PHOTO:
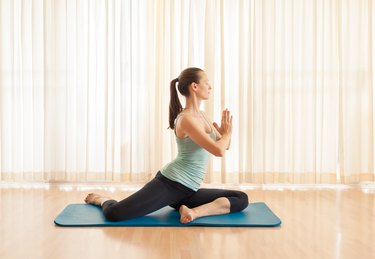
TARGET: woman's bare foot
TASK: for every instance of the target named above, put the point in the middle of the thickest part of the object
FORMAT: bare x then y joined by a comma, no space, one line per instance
187,215
95,199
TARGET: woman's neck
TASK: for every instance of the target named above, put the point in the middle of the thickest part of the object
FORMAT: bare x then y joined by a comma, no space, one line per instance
192,106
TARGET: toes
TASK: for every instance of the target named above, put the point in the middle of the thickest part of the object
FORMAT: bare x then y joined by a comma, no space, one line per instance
89,198
186,220
189,219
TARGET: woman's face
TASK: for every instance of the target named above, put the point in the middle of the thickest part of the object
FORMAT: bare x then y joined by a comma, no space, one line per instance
203,87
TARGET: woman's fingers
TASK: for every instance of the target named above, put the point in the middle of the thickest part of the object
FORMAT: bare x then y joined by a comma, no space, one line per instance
226,122
217,127
225,115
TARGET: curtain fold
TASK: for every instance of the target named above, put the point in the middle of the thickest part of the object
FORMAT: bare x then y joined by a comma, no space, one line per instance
84,87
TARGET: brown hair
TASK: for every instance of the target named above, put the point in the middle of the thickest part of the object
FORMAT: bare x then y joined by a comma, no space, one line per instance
185,79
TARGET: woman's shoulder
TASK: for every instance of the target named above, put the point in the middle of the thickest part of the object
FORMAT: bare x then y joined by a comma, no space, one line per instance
183,123
185,117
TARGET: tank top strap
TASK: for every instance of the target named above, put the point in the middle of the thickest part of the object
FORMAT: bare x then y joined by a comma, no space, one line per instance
213,133
175,121
204,116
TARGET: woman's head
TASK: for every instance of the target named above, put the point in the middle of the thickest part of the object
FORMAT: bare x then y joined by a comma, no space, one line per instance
185,80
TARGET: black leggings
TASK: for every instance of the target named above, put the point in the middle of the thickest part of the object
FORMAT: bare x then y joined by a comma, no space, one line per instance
161,192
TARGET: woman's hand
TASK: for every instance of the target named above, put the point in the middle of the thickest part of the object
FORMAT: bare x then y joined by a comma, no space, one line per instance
226,123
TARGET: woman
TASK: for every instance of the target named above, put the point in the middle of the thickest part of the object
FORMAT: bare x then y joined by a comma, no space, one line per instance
177,184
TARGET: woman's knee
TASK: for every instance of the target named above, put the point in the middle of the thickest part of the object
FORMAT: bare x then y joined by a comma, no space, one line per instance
240,202
244,200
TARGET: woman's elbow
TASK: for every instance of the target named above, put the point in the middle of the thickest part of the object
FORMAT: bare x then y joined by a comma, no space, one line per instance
218,152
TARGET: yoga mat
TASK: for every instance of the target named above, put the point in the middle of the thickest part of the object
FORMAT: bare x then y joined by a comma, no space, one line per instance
85,215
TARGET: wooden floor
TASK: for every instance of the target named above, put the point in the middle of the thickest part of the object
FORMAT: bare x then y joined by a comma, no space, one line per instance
317,223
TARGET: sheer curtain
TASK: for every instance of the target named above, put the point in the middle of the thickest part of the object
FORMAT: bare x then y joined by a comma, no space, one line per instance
84,87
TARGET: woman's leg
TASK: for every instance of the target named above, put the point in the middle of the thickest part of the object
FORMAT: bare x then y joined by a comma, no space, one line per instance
207,202
156,194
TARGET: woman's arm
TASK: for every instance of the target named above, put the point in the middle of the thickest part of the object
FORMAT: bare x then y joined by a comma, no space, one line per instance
198,135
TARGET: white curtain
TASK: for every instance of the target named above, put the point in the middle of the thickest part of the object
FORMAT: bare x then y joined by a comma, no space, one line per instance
84,87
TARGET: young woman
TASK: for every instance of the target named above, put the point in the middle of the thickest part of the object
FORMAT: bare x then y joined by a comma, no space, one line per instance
178,183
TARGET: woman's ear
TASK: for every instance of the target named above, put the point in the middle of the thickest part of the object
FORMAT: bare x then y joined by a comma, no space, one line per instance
194,86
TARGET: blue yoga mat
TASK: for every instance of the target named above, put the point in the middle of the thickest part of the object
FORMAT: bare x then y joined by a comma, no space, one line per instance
84,215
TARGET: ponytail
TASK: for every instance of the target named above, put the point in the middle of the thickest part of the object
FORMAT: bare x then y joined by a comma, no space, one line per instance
185,79
175,106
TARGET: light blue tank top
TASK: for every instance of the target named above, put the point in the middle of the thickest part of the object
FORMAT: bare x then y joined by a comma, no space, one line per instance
189,167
